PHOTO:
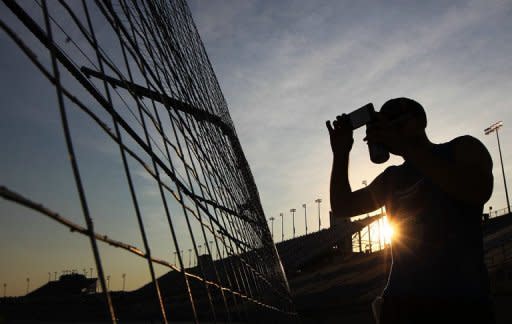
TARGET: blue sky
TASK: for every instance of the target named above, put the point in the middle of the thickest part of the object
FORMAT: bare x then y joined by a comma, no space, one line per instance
285,67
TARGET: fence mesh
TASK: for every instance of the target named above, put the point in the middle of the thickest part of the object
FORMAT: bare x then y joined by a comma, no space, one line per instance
139,73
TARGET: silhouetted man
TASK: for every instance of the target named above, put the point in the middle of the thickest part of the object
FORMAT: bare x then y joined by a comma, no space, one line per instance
435,201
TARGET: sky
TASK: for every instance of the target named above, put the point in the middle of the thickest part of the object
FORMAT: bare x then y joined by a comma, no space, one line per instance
285,67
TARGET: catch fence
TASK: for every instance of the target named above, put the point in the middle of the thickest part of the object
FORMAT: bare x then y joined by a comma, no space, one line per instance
139,72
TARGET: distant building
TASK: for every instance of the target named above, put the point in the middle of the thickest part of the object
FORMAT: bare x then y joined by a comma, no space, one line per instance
68,285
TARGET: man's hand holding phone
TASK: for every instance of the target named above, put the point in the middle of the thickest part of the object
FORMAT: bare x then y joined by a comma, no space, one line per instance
340,134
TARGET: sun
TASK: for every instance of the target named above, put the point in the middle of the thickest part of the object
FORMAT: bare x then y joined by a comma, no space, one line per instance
388,230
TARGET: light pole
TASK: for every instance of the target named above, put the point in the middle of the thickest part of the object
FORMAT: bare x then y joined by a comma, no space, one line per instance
49,276
271,219
28,285
494,128
108,282
293,210
175,255
124,280
55,275
282,226
305,218
379,233
5,290
189,257
318,201
369,227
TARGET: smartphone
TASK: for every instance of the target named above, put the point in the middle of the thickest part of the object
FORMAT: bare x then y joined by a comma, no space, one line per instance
361,116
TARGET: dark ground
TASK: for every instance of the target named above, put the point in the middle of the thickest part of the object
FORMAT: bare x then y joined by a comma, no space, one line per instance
341,289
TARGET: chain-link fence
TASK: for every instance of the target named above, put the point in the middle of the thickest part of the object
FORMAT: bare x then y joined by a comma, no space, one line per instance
138,73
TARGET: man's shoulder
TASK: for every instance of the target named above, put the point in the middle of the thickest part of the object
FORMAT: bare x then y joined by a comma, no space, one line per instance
466,140
467,147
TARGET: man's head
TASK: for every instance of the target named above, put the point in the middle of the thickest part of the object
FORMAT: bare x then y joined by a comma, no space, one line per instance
407,113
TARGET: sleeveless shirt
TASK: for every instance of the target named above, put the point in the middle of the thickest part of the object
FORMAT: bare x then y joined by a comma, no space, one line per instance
437,251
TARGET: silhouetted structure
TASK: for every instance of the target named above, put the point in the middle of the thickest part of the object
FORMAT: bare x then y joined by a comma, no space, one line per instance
68,285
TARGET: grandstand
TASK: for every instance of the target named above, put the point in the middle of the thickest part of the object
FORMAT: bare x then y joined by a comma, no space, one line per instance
498,253
307,250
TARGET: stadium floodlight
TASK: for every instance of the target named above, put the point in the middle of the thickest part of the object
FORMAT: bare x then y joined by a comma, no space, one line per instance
271,219
494,128
293,210
318,201
305,218
282,226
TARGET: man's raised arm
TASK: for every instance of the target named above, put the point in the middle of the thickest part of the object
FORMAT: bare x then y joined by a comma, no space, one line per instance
345,202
